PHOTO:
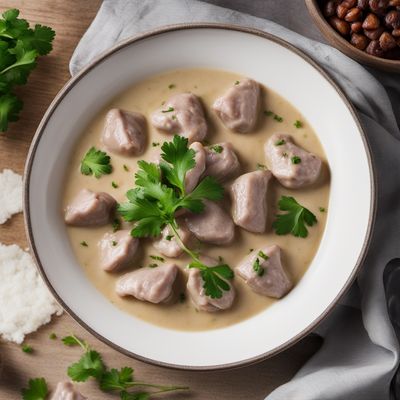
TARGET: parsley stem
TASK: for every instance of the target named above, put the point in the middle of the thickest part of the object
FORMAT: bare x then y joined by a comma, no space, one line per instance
172,226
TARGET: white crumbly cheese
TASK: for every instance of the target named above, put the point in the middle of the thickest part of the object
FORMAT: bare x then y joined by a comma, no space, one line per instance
25,302
10,194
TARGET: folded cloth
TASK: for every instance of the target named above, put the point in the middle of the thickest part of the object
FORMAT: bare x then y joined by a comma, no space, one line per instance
360,354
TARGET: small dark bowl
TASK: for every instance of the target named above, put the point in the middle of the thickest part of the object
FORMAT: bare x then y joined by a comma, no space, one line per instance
336,40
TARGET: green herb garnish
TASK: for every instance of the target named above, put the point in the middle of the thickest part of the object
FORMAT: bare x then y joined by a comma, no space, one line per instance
171,86
52,336
96,162
261,166
269,113
20,46
37,390
296,160
322,209
298,124
116,225
295,221
158,258
84,243
237,82
153,265
262,255
126,168
155,144
257,268
160,192
114,185
169,237
280,142
27,349
276,117
114,243
91,365
169,109
216,148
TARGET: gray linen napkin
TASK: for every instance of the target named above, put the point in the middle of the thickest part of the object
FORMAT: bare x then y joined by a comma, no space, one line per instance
360,354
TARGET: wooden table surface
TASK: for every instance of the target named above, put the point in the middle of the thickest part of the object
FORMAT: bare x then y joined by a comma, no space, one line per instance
50,358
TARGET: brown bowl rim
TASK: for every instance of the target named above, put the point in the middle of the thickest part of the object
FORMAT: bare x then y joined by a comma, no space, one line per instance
344,45
75,80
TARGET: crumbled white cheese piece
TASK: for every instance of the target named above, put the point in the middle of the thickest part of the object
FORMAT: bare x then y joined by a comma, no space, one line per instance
10,194
25,302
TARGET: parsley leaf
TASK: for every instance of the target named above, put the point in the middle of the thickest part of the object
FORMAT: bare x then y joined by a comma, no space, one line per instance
295,221
257,268
180,159
37,390
89,365
10,106
20,47
214,278
116,379
135,396
96,162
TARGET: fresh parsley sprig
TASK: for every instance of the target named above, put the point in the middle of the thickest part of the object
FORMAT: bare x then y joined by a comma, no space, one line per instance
96,162
160,192
37,390
20,46
91,365
295,221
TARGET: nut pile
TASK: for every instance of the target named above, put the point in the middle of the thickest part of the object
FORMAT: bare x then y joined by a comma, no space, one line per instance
369,25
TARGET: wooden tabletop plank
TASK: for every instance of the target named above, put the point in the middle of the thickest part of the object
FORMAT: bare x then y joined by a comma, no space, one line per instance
51,358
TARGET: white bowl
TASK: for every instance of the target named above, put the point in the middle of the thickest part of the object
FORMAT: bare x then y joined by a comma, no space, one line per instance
277,65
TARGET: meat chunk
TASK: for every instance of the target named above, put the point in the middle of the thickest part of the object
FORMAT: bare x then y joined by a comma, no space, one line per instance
221,162
90,209
118,250
213,225
66,391
293,166
197,294
124,132
249,200
238,107
193,175
182,114
271,279
167,245
149,284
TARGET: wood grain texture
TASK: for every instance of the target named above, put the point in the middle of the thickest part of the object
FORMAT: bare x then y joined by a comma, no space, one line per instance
50,359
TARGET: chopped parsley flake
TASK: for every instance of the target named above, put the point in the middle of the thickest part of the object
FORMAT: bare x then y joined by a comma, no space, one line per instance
158,258
280,142
296,160
27,349
322,209
84,244
171,86
169,109
298,124
250,250
284,154
261,166
269,113
174,117
126,168
169,237
114,185
216,148
155,144
237,82
52,336
116,225
278,118
154,265
258,269
262,255
114,243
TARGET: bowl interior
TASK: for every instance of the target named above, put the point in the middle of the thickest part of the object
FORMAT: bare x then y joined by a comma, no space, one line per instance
275,65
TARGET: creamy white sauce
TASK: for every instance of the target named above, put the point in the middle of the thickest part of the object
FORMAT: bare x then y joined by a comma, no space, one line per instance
145,97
